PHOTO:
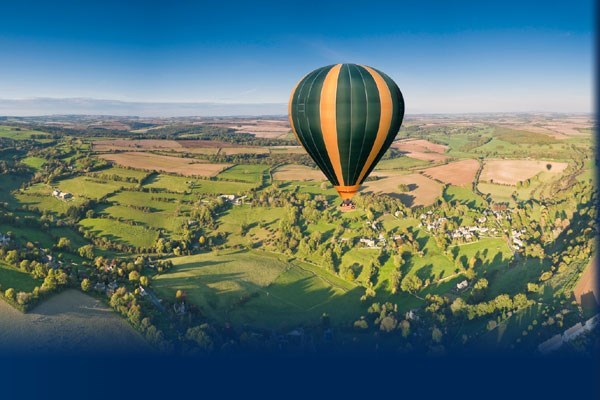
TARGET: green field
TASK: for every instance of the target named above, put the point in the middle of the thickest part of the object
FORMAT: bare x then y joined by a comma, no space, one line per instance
157,202
83,186
259,289
157,220
25,234
122,172
133,235
247,173
262,222
16,133
13,278
403,162
196,186
463,196
499,193
34,162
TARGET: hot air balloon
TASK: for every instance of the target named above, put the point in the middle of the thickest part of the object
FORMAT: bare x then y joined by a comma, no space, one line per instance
346,116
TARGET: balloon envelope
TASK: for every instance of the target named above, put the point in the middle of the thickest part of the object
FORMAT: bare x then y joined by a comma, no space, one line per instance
346,116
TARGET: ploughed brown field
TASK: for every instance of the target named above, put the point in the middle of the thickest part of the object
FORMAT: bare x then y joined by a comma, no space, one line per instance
509,172
423,191
261,128
154,162
294,172
69,322
422,149
459,173
587,292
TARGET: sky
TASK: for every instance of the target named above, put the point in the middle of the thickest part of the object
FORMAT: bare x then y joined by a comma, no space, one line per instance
446,56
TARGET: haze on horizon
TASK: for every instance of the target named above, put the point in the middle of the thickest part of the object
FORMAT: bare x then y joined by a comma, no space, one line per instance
244,58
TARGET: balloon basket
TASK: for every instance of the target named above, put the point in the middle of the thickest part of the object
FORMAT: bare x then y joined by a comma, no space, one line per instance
347,206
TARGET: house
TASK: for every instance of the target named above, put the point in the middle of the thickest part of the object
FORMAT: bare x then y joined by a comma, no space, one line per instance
65,196
551,344
192,223
462,285
55,192
100,287
239,201
228,197
591,323
368,242
411,315
573,332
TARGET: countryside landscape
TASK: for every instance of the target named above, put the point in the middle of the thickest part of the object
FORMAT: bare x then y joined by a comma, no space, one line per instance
208,235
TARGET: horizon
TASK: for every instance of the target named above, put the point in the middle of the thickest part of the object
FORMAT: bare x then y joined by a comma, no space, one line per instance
227,109
462,58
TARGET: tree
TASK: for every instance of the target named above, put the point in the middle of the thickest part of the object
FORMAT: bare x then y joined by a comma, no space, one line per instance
395,280
145,281
86,285
457,306
179,295
405,327
199,335
63,243
134,276
86,251
23,298
10,293
436,335
411,284
89,214
548,166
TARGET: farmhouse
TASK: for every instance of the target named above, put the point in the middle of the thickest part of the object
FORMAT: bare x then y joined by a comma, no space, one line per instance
61,195
551,344
368,242
462,285
556,341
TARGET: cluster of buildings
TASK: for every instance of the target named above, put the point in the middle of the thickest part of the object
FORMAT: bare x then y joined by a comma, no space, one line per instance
236,200
517,242
61,195
556,341
466,233
109,289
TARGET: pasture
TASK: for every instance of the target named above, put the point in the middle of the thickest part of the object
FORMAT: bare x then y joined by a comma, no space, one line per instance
256,288
194,187
34,162
83,186
16,133
11,277
251,173
133,235
463,195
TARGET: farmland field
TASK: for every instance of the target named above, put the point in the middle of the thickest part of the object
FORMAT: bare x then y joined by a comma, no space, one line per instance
509,172
68,323
425,190
459,173
180,165
292,172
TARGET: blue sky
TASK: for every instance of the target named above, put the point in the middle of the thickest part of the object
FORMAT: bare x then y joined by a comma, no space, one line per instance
446,56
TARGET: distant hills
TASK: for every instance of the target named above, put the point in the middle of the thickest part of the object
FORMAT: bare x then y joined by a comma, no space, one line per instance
52,106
